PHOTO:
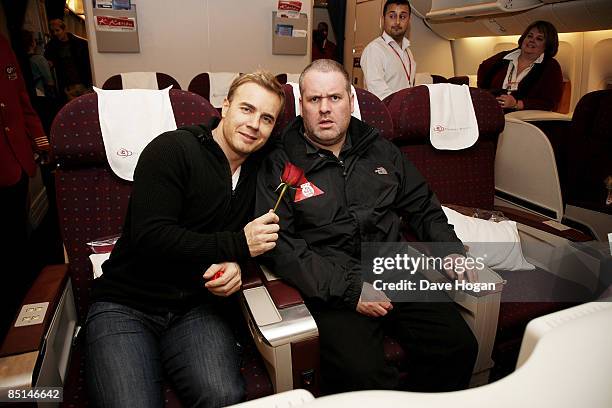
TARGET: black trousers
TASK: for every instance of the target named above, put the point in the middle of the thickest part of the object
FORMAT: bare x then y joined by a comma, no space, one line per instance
441,348
13,240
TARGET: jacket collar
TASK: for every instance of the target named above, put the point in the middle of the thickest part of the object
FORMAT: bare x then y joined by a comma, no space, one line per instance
306,156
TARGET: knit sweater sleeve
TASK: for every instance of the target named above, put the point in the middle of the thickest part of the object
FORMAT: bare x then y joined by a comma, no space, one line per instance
161,180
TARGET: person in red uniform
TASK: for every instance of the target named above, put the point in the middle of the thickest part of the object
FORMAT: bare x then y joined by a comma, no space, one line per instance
21,134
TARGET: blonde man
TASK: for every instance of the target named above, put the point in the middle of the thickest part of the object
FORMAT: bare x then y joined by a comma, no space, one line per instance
158,309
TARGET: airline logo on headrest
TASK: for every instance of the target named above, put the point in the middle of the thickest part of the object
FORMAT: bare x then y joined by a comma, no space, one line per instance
124,152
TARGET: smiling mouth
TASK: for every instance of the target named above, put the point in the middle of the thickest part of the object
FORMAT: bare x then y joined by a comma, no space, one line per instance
248,137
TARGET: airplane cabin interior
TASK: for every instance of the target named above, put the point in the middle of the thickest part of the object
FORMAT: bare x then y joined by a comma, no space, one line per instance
543,324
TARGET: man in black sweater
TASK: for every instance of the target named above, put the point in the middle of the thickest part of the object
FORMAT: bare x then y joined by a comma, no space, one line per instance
157,310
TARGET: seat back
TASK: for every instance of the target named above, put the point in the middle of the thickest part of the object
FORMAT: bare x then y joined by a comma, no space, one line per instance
213,86
588,153
526,172
282,78
163,81
200,84
464,177
92,201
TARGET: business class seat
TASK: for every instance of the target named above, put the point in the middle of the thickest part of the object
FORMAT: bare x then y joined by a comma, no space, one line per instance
576,141
163,81
468,178
92,202
587,157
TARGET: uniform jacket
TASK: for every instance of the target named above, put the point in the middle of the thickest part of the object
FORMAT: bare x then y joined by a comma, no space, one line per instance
19,124
365,192
540,89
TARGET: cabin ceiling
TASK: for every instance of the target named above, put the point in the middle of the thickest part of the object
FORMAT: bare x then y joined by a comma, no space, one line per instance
482,18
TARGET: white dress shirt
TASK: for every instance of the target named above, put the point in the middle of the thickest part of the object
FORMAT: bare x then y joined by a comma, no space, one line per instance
387,68
512,80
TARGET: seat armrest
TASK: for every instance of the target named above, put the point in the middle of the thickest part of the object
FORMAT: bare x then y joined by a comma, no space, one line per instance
539,116
538,221
39,354
282,294
251,275
48,287
283,337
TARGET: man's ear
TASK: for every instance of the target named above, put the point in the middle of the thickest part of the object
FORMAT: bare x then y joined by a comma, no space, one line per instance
224,107
352,102
301,107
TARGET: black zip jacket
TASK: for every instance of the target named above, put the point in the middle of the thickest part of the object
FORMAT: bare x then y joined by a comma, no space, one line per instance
366,191
182,217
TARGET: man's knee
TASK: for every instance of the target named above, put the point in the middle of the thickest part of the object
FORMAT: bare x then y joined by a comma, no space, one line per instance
358,372
210,393
230,393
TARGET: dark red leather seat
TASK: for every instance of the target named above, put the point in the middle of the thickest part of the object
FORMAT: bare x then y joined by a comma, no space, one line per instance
588,150
466,177
200,85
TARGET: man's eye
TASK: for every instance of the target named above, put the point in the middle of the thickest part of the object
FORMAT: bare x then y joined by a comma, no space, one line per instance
267,120
314,99
335,98
245,109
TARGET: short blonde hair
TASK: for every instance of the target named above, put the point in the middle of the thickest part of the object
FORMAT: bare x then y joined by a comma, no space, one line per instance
262,78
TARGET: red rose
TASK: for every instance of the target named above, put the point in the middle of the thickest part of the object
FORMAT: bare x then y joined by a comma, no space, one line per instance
292,175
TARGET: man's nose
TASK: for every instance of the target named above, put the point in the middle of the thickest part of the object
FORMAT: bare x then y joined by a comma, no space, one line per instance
324,105
253,122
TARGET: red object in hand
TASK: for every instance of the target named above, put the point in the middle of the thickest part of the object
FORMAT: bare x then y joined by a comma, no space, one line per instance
292,175
218,274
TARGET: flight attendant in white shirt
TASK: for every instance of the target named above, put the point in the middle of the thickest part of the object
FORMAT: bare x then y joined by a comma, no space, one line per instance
387,63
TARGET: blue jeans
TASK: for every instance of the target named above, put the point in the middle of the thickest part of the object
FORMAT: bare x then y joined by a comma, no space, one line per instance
129,353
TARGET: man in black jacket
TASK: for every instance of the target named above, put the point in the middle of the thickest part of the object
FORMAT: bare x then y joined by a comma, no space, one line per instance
69,56
158,308
356,187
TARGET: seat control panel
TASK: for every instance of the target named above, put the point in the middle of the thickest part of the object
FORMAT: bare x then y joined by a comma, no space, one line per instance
31,314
